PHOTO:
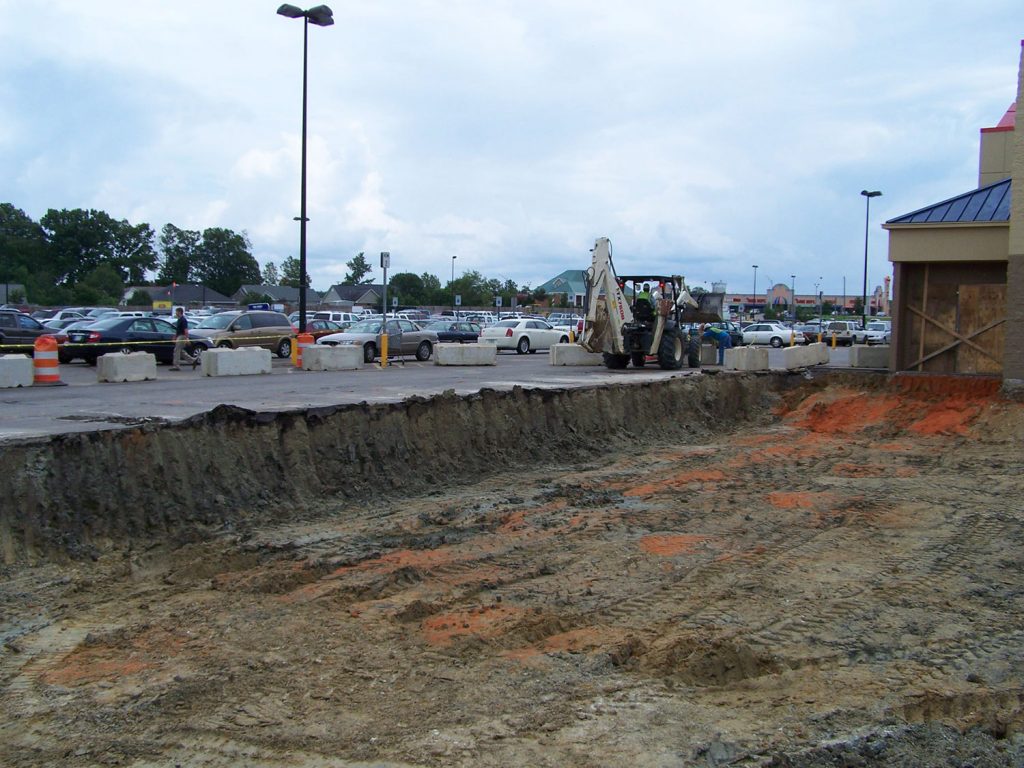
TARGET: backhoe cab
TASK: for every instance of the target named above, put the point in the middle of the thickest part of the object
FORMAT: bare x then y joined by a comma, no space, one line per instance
628,324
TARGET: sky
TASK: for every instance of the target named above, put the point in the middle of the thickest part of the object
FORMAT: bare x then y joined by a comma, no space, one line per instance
700,138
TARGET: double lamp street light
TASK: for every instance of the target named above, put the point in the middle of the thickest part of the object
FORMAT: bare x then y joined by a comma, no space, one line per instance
321,16
864,293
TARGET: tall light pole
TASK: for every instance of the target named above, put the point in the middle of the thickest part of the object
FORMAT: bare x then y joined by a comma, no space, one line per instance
322,16
453,286
864,293
793,278
755,292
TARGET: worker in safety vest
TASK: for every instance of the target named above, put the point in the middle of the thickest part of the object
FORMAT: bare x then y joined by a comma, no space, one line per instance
720,337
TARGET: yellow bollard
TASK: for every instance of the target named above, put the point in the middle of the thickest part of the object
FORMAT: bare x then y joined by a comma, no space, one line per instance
383,350
833,339
792,337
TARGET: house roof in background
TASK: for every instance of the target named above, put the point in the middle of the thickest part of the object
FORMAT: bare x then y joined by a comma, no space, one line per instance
989,204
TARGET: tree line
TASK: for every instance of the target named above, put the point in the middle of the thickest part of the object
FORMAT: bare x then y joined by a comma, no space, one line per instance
85,256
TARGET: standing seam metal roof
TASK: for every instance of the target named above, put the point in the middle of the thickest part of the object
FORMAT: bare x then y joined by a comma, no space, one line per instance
991,203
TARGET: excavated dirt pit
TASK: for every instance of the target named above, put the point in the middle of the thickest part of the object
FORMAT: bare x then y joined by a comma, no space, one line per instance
719,571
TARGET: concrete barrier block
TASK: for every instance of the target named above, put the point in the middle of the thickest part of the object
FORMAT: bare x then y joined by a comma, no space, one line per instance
746,359
322,357
235,362
798,357
116,367
574,354
15,371
863,356
819,353
709,354
465,354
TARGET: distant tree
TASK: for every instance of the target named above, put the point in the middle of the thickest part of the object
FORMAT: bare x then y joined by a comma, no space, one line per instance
140,298
179,251
408,287
539,294
270,276
104,284
254,297
225,261
80,240
858,306
433,293
22,244
16,296
358,268
291,274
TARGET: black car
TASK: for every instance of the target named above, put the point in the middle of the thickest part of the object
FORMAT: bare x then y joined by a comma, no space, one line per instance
18,331
457,331
124,334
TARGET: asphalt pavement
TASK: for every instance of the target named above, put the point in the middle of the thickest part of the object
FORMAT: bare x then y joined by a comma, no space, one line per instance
86,405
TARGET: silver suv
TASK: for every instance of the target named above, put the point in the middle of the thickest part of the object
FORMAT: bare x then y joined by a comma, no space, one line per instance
247,328
843,330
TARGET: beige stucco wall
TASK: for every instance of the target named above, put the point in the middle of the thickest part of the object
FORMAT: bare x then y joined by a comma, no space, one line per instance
1013,355
996,161
956,242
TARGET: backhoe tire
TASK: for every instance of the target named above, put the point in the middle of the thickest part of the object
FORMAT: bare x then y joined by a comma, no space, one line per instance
638,359
615,362
670,351
693,352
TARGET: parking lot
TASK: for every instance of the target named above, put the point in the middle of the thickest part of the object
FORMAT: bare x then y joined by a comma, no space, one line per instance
85,405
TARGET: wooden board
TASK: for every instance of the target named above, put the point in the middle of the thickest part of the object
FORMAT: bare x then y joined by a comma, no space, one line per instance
980,306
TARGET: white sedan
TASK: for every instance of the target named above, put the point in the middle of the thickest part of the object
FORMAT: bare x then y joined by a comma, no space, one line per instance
775,334
523,335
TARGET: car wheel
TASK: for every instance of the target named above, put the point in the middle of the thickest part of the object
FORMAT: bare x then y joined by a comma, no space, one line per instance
776,342
523,346
369,353
564,340
423,351
693,352
284,348
126,350
224,345
90,361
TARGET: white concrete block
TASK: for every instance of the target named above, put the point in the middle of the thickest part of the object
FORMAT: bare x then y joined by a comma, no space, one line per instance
118,367
235,362
819,353
709,354
466,354
574,354
323,357
863,356
16,371
746,359
798,357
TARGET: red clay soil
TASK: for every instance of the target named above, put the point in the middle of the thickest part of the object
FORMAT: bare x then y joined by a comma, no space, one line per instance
840,583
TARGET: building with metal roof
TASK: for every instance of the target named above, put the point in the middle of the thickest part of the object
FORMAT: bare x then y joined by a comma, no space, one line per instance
958,269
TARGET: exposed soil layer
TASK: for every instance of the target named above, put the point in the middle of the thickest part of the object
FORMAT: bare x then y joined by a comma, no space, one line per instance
712,571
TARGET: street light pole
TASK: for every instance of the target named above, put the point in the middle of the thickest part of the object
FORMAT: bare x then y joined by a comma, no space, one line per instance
793,278
322,16
454,314
864,292
755,292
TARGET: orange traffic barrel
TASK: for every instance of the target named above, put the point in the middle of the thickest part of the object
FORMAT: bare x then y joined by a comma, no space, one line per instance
303,340
46,366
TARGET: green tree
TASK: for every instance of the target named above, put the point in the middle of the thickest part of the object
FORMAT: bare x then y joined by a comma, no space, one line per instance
270,276
252,297
179,249
80,240
225,261
290,273
22,244
140,298
433,292
358,268
104,285
408,287
858,306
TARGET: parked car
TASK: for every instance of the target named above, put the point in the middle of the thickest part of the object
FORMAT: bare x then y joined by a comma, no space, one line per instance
843,330
245,328
453,331
66,352
338,317
404,338
318,327
876,332
524,335
124,334
18,329
775,334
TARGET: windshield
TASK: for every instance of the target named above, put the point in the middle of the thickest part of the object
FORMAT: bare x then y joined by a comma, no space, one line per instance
876,326
365,326
217,322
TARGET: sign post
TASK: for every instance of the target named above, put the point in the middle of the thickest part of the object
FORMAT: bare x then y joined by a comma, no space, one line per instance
385,262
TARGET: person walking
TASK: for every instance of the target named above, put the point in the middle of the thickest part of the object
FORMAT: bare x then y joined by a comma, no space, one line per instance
721,338
180,340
